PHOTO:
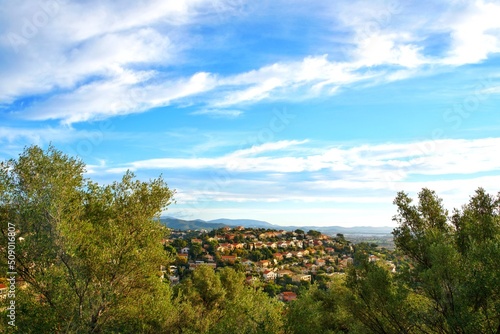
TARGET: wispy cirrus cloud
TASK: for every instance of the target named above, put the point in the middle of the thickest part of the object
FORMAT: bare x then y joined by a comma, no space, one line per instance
368,179
124,94
219,113
367,176
83,48
240,160
41,136
128,59
374,161
14,139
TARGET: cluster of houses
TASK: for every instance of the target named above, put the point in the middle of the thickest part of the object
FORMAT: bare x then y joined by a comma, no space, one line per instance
265,255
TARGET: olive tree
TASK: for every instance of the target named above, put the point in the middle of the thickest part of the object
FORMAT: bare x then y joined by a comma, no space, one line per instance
88,254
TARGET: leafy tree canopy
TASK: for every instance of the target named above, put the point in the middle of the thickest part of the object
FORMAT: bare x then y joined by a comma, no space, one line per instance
89,254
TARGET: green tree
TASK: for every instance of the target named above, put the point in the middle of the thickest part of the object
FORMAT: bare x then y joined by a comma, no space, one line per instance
377,300
171,251
256,255
89,254
320,311
272,289
449,282
179,243
478,242
251,312
314,233
212,246
196,250
211,302
199,299
454,265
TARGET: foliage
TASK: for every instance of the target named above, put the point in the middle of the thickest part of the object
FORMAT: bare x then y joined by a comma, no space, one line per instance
320,311
450,285
89,254
314,233
455,265
213,302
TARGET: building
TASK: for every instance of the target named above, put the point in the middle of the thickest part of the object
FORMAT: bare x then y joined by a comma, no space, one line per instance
263,263
3,291
208,257
287,296
320,262
301,278
269,275
285,272
278,256
251,280
228,258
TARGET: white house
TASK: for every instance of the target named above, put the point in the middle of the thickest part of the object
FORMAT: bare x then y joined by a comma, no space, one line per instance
269,275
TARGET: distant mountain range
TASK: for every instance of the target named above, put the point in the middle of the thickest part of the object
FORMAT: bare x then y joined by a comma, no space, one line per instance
199,224
243,222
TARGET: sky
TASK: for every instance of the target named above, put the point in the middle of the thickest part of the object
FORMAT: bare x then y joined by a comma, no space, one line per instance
292,112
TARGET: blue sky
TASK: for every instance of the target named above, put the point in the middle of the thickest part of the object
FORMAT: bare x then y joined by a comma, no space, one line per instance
292,112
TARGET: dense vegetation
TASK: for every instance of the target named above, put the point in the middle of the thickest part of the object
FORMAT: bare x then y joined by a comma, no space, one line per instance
88,257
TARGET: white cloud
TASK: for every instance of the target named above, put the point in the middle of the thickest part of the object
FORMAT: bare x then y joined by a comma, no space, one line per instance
381,163
298,176
119,96
41,136
314,74
395,32
367,176
86,47
491,90
219,113
267,147
80,41
475,34
387,49
240,160
343,202
100,59
78,142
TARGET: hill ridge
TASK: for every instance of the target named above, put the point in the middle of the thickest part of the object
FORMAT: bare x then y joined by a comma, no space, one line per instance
197,224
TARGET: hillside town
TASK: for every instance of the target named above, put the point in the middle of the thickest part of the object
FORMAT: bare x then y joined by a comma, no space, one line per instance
281,262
